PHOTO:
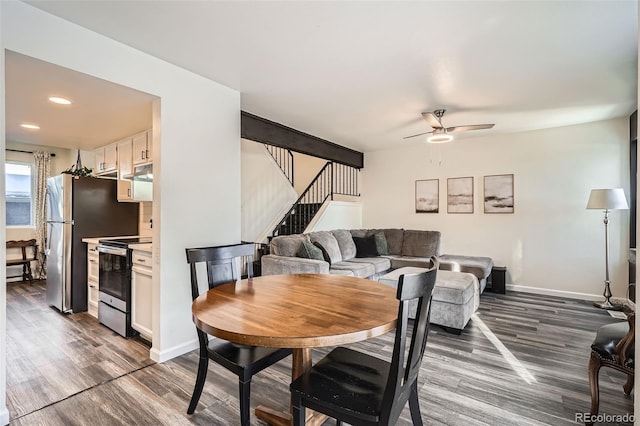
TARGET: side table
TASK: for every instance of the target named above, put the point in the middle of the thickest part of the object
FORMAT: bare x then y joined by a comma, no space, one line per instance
497,279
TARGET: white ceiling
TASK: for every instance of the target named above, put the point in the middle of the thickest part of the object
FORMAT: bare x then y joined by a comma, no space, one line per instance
100,111
360,73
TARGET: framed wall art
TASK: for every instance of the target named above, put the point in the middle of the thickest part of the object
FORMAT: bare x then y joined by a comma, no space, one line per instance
498,194
460,195
427,196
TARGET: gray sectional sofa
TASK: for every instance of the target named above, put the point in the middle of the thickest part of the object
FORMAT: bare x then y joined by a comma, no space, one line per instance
350,252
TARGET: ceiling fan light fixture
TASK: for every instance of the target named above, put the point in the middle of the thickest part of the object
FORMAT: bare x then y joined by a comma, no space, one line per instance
439,138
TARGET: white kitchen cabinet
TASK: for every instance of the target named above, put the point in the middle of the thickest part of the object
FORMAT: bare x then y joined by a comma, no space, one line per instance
142,148
141,293
135,190
106,159
92,279
125,158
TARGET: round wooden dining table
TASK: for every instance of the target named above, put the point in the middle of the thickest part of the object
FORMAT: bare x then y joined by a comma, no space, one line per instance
298,311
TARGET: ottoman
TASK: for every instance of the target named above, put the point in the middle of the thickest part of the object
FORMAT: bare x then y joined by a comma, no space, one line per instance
455,298
478,266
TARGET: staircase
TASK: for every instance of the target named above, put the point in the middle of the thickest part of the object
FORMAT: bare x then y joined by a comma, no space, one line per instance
333,179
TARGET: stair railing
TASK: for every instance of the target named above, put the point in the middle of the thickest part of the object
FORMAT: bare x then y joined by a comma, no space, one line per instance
284,159
331,180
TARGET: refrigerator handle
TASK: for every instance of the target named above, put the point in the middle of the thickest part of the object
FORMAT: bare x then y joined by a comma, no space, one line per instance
47,249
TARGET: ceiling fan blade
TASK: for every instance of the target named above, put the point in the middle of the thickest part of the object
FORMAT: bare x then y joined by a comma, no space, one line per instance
469,127
419,134
432,120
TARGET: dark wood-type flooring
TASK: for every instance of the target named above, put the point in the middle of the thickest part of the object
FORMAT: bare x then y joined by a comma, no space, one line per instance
70,370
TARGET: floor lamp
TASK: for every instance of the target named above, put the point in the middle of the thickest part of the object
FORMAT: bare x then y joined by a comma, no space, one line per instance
607,199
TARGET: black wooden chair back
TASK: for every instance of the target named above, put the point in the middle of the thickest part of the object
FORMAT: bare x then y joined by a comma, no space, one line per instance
224,264
405,367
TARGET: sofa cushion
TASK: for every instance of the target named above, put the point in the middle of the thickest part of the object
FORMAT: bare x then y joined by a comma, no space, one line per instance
359,269
365,246
395,238
362,232
326,241
382,264
381,243
287,245
407,261
345,243
310,251
421,243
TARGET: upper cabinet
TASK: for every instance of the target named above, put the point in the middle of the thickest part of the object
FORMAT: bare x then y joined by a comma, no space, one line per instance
129,160
107,159
142,148
125,158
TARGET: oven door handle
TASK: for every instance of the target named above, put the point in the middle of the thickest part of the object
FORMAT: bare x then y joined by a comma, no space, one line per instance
112,250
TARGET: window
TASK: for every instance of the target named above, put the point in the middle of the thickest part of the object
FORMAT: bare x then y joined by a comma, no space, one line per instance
19,192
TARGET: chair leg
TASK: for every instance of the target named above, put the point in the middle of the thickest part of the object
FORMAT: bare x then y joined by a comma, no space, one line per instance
594,369
203,365
414,406
245,401
629,385
298,411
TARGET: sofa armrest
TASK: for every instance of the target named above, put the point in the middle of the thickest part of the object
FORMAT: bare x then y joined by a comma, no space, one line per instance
273,264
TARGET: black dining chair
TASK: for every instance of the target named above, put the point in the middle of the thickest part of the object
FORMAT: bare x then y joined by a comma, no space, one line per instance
361,389
222,265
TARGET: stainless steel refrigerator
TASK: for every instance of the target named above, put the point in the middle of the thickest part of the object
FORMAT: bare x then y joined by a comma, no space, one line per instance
77,208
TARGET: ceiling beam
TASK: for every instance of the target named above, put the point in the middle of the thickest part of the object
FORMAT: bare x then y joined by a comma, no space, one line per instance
261,130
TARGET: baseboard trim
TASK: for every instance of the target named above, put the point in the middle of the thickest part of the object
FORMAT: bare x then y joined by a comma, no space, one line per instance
552,292
166,355
4,416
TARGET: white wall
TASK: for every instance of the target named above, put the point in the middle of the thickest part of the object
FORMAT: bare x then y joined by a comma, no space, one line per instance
306,168
552,242
266,192
196,158
337,215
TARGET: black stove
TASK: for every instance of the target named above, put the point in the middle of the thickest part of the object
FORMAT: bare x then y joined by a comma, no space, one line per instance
124,242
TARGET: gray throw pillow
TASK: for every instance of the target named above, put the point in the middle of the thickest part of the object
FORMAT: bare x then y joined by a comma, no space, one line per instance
323,251
381,243
309,251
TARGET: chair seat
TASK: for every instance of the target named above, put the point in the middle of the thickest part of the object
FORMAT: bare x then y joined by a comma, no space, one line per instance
607,337
244,360
346,381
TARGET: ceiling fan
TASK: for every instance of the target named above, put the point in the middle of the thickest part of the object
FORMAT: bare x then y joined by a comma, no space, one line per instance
441,134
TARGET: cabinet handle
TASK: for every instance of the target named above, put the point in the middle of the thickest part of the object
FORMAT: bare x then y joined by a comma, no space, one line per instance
140,260
92,286
129,192
92,249
92,260
142,155
146,155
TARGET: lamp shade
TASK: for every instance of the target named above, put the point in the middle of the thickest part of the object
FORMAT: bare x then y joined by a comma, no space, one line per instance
607,199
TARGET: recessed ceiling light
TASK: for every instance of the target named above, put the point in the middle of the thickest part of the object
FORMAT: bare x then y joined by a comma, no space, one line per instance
61,101
30,126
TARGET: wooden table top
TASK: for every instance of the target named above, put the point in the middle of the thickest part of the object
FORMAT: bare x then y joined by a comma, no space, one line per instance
297,310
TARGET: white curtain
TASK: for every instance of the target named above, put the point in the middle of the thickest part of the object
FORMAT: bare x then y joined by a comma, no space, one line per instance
43,167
